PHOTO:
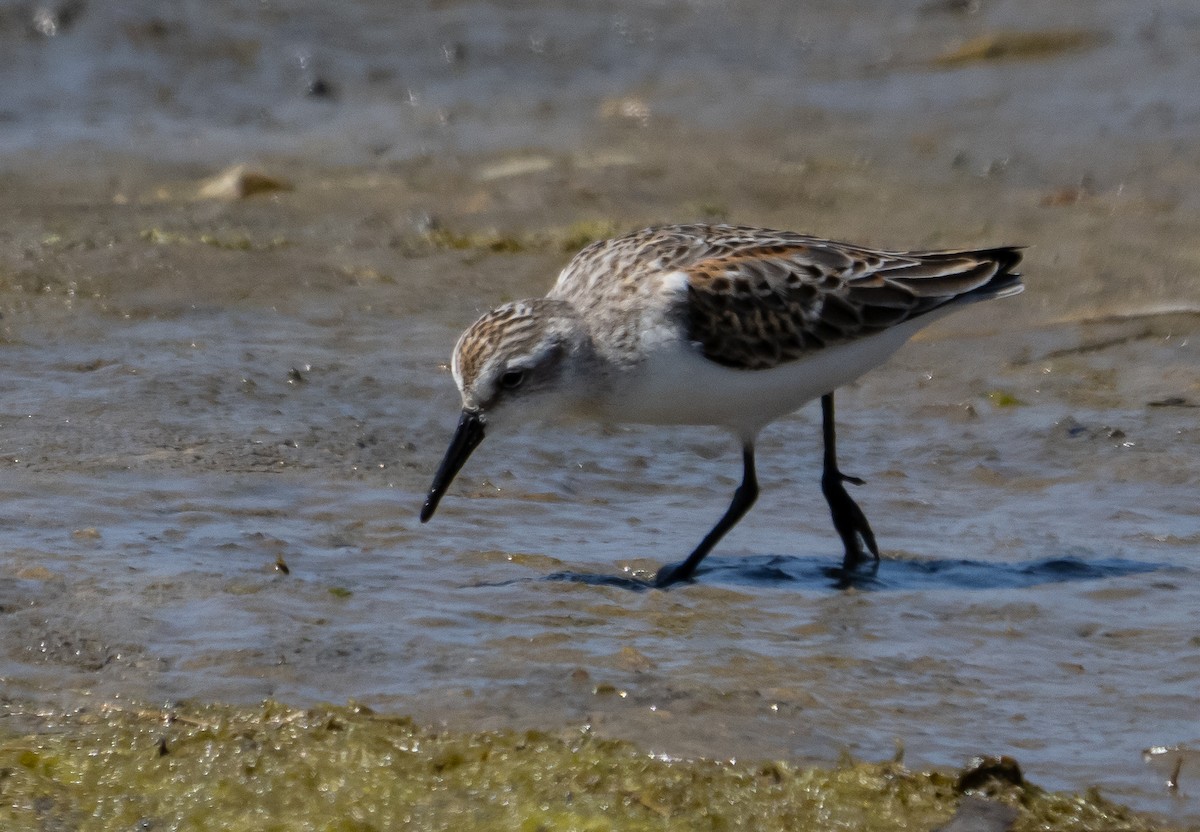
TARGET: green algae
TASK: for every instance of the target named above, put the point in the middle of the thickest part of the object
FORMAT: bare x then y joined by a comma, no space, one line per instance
227,241
329,768
1002,398
995,46
443,238
583,233
567,240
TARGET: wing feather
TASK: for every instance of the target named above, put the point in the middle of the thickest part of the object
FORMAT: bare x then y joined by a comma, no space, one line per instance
755,304
755,298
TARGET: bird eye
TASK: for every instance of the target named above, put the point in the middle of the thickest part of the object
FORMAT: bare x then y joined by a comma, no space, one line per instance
512,379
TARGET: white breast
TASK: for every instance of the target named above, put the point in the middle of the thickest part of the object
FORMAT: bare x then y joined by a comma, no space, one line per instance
676,385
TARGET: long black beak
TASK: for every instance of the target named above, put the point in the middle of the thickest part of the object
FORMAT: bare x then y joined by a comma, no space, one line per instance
468,434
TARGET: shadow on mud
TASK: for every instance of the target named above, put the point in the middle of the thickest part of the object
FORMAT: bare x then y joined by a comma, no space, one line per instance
935,574
817,573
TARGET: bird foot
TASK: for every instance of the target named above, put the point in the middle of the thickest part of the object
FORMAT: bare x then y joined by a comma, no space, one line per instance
848,519
672,573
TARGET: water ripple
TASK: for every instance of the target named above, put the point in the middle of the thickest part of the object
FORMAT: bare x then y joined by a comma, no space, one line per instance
905,575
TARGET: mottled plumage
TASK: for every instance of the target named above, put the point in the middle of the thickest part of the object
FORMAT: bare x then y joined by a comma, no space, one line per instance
756,298
721,325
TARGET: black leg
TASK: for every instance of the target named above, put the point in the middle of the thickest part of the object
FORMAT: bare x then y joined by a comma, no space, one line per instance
743,498
848,518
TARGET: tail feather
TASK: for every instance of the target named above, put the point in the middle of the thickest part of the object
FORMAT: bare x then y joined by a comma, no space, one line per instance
1004,283
921,282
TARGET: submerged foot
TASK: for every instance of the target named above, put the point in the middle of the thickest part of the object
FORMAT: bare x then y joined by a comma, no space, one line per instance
673,573
849,521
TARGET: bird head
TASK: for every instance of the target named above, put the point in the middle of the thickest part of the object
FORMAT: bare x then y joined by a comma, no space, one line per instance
514,364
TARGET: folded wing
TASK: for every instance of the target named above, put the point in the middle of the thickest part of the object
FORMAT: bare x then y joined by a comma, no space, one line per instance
756,303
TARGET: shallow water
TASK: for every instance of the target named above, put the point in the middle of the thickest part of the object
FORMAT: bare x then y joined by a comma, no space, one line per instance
1036,597
194,391
204,80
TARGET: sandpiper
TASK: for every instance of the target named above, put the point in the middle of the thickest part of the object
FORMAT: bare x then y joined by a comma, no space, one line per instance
710,325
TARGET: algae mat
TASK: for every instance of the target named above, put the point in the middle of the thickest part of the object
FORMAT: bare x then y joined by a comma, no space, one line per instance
274,767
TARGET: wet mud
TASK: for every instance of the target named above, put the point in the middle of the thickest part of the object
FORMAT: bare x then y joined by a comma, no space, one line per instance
221,402
182,416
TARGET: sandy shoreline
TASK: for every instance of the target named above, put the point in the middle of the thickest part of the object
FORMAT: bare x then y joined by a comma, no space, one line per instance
196,387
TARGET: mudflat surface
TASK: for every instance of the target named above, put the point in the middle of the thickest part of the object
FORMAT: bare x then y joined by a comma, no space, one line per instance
193,390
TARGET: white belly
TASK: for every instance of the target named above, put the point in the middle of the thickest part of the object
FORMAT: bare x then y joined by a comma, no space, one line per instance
678,386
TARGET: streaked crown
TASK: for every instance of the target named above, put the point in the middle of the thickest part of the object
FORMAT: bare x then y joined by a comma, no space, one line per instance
520,345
